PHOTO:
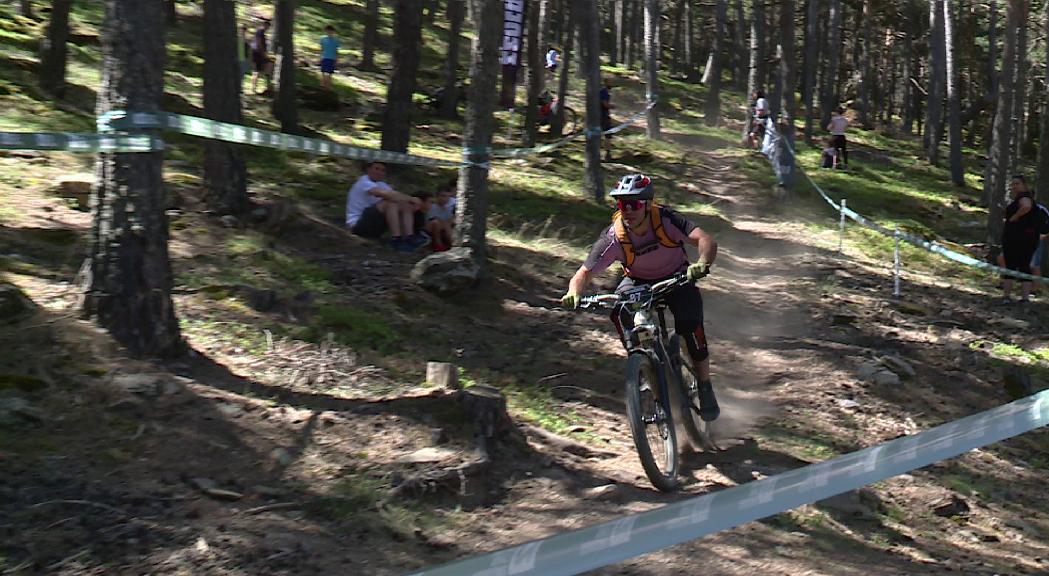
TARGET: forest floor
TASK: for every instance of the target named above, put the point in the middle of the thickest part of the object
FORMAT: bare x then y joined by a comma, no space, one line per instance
276,445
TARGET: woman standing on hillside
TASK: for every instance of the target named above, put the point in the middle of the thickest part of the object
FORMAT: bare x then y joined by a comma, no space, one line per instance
1019,237
838,124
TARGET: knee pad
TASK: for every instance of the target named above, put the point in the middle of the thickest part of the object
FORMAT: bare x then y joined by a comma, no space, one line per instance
696,342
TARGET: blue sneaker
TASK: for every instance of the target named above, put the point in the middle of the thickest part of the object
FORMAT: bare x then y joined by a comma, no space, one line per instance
401,245
417,240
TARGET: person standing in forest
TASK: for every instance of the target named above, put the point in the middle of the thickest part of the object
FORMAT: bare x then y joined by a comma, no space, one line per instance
1019,236
837,126
606,116
260,56
329,55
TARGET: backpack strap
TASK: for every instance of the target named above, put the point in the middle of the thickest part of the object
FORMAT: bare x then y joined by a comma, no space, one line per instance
656,219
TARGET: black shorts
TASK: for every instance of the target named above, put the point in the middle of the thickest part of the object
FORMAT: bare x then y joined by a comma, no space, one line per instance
1018,249
260,60
372,223
839,142
606,123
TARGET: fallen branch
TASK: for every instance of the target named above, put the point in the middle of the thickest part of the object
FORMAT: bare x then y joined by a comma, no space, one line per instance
272,507
565,444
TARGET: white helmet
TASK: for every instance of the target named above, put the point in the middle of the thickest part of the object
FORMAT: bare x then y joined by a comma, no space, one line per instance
633,186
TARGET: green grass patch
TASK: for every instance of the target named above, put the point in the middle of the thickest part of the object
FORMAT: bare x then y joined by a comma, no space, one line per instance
355,327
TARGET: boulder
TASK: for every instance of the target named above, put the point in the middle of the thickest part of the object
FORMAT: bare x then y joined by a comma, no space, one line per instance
76,187
447,272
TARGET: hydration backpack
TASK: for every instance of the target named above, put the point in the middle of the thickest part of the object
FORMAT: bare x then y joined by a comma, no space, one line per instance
1041,220
657,227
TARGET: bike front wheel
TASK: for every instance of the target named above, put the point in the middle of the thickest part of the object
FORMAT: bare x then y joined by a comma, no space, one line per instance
651,423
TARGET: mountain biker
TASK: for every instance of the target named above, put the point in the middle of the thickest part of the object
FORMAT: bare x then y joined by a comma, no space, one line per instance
648,239
759,113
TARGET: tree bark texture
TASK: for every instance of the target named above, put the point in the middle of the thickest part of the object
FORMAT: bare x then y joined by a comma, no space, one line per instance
652,66
225,174
172,12
756,72
1042,180
620,39
712,112
585,14
954,103
788,104
450,103
54,56
691,71
127,276
907,88
866,74
472,214
557,123
675,42
613,20
999,151
829,98
371,36
739,47
937,75
811,63
25,8
397,119
536,49
1019,91
285,104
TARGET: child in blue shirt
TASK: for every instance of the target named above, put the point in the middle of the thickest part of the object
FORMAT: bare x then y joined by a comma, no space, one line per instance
329,54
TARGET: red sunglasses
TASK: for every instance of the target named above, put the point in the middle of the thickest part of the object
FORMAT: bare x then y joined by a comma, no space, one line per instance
631,204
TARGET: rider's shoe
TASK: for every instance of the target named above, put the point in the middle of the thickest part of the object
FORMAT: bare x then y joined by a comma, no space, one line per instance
708,403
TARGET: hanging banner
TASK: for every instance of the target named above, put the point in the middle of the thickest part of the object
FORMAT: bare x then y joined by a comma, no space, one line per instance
510,54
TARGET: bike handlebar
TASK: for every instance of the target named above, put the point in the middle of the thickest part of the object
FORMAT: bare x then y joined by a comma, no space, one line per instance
656,290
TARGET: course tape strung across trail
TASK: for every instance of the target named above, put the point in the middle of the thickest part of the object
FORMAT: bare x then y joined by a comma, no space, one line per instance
79,142
122,121
629,536
918,241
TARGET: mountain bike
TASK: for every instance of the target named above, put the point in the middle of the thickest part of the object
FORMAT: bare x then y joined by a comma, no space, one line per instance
570,122
661,386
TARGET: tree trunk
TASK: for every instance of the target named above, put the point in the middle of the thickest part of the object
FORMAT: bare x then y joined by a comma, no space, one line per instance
712,112
53,59
999,151
1042,181
225,175
866,79
613,45
371,36
620,39
907,75
450,103
954,105
285,105
127,275
788,105
691,71
739,42
397,119
26,8
829,98
756,72
934,106
486,16
675,47
1019,91
585,15
636,33
808,86
652,65
536,49
557,123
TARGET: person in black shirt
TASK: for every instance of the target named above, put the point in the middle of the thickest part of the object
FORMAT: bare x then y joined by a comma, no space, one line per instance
1019,236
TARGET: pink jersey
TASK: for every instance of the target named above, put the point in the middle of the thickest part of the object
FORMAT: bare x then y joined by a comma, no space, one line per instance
652,260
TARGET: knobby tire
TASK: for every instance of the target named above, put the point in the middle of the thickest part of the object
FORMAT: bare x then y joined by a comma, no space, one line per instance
640,370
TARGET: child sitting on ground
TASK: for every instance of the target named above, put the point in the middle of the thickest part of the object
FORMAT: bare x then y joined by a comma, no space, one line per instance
829,158
441,218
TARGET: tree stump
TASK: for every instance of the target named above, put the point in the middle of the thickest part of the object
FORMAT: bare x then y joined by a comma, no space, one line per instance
442,375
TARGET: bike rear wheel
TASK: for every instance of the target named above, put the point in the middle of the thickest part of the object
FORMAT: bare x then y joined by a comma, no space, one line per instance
651,423
571,122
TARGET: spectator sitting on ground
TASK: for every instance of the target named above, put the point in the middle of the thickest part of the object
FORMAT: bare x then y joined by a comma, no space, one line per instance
829,157
1019,236
421,213
441,218
373,207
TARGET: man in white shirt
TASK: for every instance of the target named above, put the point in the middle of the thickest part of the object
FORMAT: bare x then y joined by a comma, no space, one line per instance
373,207
837,126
